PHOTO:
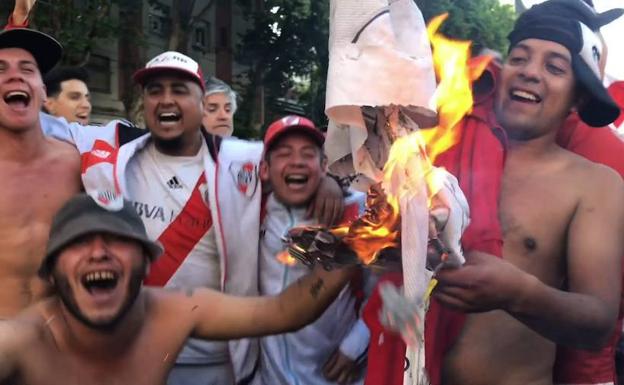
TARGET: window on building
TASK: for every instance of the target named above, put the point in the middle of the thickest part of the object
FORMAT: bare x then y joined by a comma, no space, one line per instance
158,20
99,68
201,37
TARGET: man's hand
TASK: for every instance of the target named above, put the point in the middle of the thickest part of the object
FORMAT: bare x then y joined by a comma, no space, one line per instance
484,283
340,368
22,10
328,203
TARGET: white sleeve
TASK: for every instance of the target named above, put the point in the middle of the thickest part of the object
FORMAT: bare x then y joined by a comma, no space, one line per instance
356,341
80,136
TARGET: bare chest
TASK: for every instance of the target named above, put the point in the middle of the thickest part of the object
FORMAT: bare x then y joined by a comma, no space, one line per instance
535,212
148,365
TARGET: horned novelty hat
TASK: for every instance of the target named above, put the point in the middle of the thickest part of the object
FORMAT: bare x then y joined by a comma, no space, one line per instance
585,48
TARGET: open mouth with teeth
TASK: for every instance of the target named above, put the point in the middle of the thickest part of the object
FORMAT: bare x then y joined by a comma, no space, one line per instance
524,96
100,281
169,117
17,99
296,180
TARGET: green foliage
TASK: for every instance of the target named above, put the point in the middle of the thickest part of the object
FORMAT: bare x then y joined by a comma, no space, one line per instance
288,43
286,48
485,22
77,24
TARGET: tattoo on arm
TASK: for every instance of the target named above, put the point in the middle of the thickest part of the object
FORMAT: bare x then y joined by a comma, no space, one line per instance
316,287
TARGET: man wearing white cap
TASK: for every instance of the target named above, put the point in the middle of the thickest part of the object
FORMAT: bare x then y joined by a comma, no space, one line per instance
170,175
197,194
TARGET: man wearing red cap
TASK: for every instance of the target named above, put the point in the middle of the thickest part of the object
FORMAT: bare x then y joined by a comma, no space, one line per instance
326,351
198,195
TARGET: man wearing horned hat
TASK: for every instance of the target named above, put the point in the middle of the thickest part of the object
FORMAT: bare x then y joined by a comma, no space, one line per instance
559,279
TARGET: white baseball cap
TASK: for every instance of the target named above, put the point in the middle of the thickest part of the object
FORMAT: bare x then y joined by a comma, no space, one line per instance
170,61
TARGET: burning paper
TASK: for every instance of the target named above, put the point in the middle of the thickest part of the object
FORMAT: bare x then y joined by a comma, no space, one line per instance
381,91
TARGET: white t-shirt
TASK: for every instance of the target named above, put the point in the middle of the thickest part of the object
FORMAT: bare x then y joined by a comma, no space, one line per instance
160,186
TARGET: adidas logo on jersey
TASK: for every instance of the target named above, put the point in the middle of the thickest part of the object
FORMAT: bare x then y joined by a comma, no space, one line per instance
174,183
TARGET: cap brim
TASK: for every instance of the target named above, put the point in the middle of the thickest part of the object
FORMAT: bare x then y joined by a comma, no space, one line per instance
313,133
600,109
142,75
44,48
110,224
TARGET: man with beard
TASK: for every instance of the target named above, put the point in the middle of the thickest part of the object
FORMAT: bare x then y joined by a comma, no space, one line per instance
197,194
102,326
40,173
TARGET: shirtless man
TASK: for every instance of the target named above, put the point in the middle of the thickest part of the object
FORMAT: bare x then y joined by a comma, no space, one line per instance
103,327
40,173
562,218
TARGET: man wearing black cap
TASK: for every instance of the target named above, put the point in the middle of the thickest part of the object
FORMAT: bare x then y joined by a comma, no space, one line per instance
561,218
102,326
39,173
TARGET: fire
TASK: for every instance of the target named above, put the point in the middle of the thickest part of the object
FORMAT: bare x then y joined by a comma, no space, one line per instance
411,157
285,258
376,230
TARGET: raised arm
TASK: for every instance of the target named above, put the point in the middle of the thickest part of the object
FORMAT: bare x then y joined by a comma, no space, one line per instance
221,316
21,13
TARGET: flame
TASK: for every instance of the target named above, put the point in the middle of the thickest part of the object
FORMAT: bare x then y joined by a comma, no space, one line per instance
411,157
286,258
376,230
456,72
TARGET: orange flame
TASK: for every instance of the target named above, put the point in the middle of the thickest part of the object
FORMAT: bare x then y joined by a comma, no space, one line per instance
286,258
411,157
456,72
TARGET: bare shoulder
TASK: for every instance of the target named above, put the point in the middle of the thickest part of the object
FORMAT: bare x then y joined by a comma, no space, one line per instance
19,332
595,177
63,151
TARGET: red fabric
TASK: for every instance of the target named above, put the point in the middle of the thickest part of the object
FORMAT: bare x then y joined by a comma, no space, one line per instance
386,350
616,89
180,238
479,149
11,24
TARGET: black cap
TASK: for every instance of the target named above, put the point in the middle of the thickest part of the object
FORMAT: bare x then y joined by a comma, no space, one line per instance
81,215
578,10
44,48
585,50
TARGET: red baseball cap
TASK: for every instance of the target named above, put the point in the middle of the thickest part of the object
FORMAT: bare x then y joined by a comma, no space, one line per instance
170,61
292,123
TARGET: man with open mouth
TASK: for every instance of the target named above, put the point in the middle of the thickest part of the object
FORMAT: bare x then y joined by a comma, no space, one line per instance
39,173
560,216
102,325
